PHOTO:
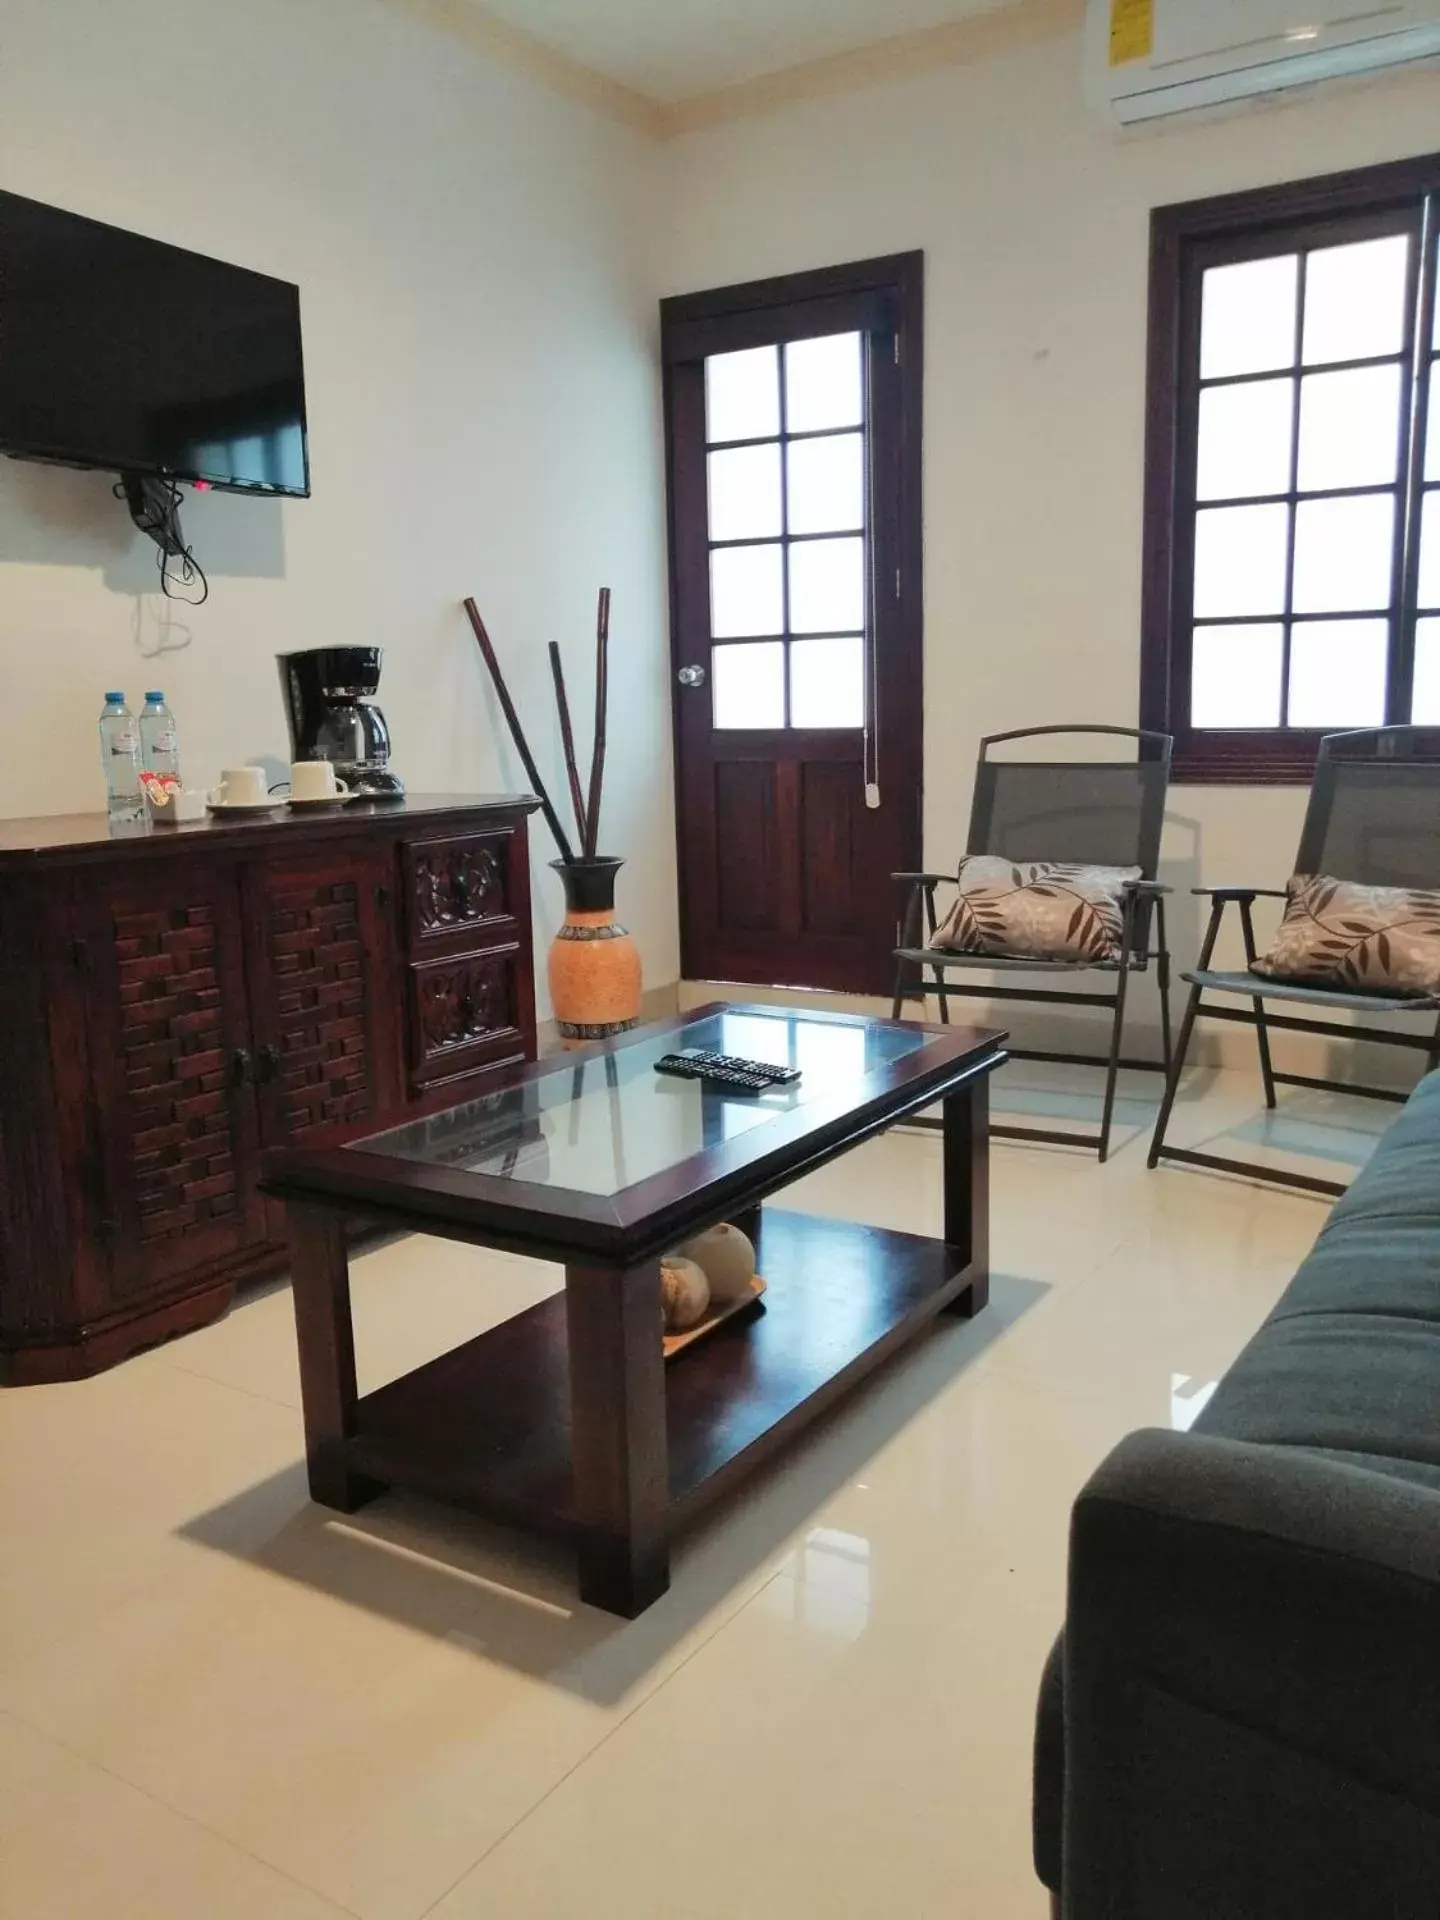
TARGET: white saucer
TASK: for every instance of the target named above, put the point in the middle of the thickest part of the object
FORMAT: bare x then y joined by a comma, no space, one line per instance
324,800
244,806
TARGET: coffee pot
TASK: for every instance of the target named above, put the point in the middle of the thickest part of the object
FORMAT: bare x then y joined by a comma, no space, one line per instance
332,716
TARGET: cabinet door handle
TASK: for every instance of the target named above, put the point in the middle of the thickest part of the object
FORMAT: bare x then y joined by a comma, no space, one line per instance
267,1065
239,1067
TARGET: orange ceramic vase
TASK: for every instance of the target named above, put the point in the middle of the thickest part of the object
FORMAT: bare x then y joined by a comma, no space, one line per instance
594,967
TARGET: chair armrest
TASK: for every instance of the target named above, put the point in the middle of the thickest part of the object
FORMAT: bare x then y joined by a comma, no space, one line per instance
931,879
1249,1627
1153,888
1241,893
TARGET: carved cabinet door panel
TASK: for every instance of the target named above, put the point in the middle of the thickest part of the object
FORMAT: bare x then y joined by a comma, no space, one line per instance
469,994
169,1048
466,1014
465,891
321,964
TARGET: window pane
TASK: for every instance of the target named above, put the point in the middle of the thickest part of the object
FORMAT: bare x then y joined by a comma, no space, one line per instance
744,489
826,484
1355,300
742,394
1247,317
1426,710
1349,428
1240,560
827,683
1429,595
1235,676
1343,554
827,586
1337,673
823,386
748,684
1432,431
746,591
1244,440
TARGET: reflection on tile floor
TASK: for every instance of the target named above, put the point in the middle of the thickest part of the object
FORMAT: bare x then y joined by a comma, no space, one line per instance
216,1699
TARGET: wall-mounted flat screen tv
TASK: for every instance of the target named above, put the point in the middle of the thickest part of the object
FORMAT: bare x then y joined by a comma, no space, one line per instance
125,354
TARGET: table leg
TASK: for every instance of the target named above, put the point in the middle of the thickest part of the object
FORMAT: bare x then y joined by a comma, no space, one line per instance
617,1410
747,1219
967,1187
320,1285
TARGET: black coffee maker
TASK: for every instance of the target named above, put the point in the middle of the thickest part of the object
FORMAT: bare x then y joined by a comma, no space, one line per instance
332,716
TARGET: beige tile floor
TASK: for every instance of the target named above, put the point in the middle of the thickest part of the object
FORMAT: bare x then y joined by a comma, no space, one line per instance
217,1700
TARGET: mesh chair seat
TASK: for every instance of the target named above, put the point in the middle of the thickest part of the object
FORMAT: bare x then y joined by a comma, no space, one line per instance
1254,985
1013,962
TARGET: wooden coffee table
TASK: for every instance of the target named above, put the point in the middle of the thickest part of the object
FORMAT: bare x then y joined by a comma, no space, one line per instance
567,1419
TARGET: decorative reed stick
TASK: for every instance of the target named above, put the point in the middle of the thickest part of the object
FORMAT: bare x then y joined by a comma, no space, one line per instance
517,734
567,740
602,695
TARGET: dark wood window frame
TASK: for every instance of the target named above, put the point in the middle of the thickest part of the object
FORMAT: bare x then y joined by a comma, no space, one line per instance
869,296
1184,239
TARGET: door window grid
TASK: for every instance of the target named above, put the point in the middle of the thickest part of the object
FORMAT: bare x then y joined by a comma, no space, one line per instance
787,433
1295,586
1426,696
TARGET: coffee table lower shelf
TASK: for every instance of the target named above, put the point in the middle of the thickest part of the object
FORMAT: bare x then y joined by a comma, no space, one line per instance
488,1426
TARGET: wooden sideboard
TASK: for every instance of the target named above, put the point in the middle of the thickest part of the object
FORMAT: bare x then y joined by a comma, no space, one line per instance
175,1001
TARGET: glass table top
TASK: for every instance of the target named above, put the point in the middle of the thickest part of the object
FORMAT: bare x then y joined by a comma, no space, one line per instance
602,1124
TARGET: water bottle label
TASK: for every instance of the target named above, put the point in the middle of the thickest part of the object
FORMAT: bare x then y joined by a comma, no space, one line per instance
164,741
124,745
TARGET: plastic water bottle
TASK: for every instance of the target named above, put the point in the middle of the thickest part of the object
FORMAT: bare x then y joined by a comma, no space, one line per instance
159,742
120,756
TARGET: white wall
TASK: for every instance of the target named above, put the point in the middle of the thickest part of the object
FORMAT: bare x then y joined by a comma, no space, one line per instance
1033,217
479,342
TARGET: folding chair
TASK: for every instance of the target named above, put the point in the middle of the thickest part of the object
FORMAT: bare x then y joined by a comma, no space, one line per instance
1095,812
1373,818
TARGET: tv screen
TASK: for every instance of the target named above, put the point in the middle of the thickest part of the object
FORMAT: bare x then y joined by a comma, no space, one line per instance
122,353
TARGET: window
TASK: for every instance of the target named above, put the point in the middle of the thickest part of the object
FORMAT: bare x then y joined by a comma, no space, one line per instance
1292,538
785,430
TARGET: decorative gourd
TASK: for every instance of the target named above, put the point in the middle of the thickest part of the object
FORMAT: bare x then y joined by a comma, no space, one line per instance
727,1259
684,1292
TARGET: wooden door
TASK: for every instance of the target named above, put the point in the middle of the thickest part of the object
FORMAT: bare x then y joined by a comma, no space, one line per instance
320,956
169,1049
793,427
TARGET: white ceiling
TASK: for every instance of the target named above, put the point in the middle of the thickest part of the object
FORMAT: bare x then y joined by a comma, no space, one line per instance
675,49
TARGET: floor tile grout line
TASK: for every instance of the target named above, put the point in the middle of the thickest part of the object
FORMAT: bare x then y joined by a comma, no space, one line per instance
230,1386
602,1742
179,1813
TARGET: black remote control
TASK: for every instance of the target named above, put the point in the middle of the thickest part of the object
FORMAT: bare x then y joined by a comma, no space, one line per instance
725,1070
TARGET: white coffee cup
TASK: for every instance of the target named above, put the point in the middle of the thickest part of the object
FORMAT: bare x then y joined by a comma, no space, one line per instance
241,787
315,780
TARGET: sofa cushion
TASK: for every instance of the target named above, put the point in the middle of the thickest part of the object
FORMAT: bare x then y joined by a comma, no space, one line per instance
1349,1382
1349,1360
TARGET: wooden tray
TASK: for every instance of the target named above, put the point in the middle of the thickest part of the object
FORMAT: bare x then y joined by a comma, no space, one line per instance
676,1343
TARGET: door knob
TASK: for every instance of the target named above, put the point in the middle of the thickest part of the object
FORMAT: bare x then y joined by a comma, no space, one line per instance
691,676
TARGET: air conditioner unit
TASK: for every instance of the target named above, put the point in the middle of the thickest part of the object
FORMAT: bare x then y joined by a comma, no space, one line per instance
1148,59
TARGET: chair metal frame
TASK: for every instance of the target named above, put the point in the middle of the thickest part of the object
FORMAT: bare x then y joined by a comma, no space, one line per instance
1144,916
1394,744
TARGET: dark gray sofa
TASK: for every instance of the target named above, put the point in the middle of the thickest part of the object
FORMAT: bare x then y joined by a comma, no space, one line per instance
1242,1718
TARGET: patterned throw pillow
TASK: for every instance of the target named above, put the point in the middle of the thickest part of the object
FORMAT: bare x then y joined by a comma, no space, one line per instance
1363,939
1038,909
